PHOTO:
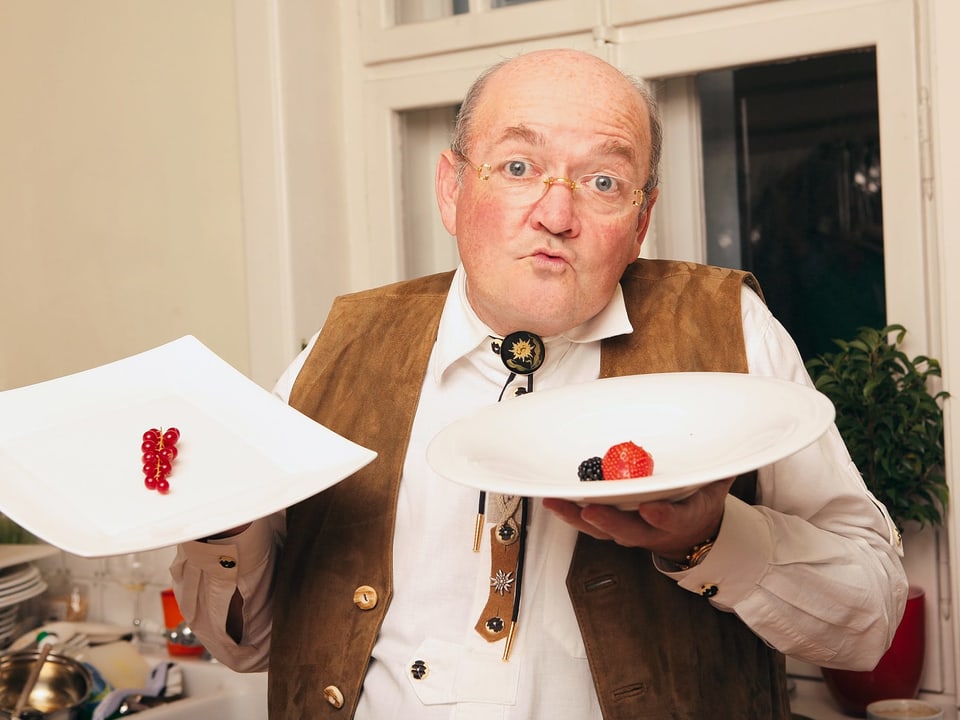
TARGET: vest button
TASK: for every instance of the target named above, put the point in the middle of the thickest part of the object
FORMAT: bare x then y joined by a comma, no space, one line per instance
227,562
365,597
333,696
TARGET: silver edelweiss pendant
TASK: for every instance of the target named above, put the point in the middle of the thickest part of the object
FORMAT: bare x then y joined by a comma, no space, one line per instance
502,582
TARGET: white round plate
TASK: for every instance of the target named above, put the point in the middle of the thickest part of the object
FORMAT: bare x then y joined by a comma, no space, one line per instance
17,554
15,579
36,588
699,427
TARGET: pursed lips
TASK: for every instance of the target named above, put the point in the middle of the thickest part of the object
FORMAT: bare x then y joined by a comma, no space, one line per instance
551,258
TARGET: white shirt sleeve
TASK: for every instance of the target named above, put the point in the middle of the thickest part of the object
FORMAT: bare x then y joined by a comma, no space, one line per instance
205,576
814,567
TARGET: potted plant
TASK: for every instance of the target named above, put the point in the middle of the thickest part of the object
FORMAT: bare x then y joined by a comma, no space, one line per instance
892,422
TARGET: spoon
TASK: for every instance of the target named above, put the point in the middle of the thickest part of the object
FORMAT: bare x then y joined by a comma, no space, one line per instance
42,651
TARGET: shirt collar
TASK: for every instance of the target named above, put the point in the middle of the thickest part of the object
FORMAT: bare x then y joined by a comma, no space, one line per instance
462,332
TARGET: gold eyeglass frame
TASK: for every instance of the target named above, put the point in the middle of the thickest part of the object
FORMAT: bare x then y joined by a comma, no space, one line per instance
483,171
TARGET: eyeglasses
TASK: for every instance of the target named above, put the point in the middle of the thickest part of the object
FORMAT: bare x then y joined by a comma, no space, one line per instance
526,183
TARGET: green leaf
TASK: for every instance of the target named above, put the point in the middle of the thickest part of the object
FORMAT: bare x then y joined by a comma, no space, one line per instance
890,419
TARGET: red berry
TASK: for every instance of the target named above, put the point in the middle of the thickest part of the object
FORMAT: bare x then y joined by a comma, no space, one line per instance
159,451
626,460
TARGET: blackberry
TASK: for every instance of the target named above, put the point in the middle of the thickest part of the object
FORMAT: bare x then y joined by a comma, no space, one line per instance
591,469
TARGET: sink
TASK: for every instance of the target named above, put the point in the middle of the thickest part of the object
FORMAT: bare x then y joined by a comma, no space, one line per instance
213,692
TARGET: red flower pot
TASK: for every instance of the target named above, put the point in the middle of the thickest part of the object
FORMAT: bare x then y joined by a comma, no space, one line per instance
897,675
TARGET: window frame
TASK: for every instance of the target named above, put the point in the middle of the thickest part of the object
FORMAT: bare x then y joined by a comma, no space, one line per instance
382,40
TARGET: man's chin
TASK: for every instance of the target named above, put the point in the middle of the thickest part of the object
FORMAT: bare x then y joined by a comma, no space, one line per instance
544,319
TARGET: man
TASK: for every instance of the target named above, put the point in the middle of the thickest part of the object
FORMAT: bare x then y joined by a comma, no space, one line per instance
682,609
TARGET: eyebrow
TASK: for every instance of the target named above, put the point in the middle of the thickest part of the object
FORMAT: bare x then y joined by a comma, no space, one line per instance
618,148
524,133
608,147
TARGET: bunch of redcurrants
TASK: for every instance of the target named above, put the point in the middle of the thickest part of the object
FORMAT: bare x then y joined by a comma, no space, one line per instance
159,450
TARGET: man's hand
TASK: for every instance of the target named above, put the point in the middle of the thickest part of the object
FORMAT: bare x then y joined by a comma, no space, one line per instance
668,529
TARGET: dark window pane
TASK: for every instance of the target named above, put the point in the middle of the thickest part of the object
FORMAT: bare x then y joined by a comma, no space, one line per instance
792,188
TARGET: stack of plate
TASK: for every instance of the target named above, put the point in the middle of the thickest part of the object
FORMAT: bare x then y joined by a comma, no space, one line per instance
18,583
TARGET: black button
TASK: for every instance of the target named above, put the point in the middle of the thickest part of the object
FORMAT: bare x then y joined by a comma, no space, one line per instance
419,670
507,533
495,625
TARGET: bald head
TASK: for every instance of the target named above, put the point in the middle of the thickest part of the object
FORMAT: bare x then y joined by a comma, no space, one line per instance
563,75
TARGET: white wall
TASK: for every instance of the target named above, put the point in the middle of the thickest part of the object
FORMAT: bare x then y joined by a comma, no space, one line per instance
121,223
944,161
120,187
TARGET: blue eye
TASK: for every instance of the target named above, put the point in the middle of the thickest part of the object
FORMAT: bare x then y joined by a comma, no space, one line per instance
603,183
516,168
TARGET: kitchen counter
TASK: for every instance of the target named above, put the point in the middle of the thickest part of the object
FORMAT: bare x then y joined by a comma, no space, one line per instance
217,693
812,700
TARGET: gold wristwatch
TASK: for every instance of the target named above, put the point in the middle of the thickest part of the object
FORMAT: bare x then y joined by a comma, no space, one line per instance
697,554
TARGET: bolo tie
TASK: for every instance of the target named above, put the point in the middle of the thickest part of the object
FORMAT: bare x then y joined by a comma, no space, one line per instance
522,353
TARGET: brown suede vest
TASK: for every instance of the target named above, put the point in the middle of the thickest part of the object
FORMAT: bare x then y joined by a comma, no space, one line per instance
656,650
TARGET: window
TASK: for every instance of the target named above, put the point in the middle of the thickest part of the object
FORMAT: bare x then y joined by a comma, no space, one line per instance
427,246
402,29
413,11
792,189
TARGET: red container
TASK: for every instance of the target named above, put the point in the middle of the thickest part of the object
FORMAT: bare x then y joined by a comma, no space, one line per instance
897,675
173,621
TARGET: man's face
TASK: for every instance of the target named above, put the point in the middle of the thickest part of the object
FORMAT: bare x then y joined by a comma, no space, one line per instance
545,258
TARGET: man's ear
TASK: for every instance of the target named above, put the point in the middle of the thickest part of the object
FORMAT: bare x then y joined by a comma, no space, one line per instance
643,220
448,189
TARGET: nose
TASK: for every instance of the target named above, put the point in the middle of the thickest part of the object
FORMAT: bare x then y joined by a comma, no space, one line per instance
556,210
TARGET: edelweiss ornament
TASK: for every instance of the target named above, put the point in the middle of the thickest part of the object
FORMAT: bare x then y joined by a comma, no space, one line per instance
506,577
522,352
502,582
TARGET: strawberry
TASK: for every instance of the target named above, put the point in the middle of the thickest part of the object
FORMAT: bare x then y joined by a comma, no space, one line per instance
626,460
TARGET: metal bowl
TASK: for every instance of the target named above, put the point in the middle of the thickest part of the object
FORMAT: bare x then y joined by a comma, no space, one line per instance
62,688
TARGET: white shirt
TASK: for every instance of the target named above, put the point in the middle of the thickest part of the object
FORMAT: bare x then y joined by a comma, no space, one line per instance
809,568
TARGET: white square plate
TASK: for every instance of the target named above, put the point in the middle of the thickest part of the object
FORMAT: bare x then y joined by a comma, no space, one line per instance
699,427
70,458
